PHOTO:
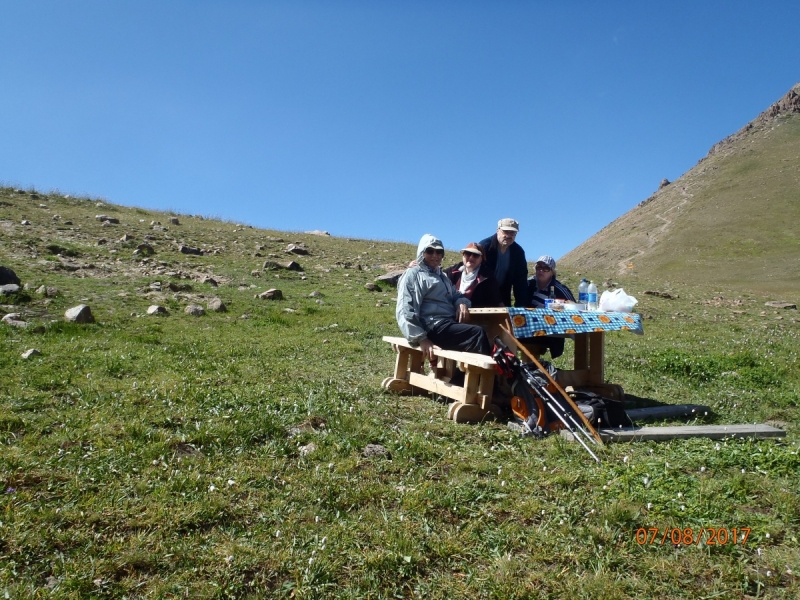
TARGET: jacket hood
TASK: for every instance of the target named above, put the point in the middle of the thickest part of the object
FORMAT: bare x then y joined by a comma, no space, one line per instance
426,241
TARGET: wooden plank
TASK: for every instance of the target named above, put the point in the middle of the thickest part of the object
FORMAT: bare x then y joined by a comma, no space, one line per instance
470,358
470,413
597,357
437,387
667,412
401,363
661,434
471,381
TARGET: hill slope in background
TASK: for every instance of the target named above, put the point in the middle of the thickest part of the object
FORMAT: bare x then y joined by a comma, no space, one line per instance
729,221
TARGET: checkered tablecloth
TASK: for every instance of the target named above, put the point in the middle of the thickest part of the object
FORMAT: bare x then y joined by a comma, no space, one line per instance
533,322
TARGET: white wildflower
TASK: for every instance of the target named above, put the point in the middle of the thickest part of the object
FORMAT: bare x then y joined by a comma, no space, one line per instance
212,488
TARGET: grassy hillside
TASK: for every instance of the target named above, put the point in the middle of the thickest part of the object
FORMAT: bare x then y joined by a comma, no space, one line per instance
730,221
222,456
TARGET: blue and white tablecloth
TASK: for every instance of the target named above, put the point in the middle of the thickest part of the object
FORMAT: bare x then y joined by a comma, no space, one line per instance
534,322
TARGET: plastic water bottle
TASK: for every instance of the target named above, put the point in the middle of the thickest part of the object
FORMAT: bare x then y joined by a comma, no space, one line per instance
583,291
591,296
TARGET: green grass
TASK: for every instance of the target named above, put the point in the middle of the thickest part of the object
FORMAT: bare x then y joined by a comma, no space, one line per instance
164,456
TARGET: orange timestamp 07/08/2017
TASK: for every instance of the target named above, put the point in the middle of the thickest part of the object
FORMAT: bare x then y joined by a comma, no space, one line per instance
690,536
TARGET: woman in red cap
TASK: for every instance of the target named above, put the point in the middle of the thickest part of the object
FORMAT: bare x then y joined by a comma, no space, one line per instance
474,279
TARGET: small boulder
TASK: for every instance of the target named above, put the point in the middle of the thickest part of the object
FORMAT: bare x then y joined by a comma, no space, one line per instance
307,449
184,249
216,305
32,352
295,249
664,183
11,317
195,310
315,294
144,250
126,238
8,289
392,277
155,309
271,265
174,221
318,232
210,281
372,287
79,314
272,294
787,305
375,450
292,266
8,276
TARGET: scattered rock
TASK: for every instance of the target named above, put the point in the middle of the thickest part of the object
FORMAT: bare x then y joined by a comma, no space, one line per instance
392,277
8,289
216,305
47,291
660,294
272,294
107,219
195,310
126,238
184,249
11,317
79,314
318,232
210,281
372,287
155,309
144,250
289,310
775,304
664,183
7,276
271,265
315,294
307,449
375,450
102,242
174,221
295,249
292,266
255,273
31,352
312,425
245,316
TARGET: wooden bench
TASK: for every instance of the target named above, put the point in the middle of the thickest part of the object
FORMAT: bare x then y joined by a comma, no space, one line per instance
473,400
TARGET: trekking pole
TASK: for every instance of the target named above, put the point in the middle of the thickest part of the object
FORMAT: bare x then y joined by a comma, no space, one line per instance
570,402
509,365
562,415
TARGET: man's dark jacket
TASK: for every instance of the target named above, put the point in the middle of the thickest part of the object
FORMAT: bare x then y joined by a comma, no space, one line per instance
517,274
485,293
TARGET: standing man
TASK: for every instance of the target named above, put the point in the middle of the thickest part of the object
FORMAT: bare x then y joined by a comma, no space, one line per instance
506,258
431,311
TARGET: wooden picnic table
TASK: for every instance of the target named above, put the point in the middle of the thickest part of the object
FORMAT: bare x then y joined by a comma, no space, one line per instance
474,399
588,329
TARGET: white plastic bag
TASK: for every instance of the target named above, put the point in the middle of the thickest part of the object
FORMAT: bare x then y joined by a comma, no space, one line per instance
617,301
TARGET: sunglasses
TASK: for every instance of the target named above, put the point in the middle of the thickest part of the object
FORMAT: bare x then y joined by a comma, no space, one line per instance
468,255
434,251
543,268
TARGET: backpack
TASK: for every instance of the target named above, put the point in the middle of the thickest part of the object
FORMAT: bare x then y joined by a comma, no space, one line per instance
601,412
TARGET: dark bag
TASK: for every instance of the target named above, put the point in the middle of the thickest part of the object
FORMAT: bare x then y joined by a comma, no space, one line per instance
602,412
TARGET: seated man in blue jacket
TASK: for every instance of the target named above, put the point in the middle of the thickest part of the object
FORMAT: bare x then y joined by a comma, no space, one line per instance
431,311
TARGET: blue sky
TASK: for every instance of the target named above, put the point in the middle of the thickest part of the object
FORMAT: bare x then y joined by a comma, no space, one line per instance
382,119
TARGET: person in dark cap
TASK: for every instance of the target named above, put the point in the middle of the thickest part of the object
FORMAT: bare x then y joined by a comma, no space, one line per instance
506,259
541,286
544,281
474,279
